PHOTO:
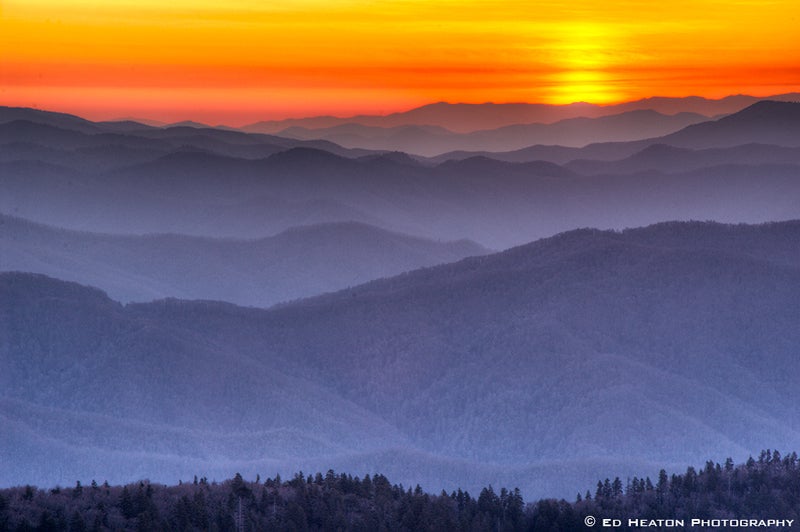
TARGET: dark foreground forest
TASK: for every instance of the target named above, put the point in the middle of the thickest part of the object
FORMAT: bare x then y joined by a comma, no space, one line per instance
767,488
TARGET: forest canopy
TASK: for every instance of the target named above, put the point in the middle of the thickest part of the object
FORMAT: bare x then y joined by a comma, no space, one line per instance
764,488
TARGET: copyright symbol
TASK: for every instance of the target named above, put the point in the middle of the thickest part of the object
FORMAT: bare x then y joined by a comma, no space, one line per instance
589,520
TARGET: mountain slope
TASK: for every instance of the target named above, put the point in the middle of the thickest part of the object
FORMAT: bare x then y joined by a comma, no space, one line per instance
59,120
659,344
764,122
665,158
301,262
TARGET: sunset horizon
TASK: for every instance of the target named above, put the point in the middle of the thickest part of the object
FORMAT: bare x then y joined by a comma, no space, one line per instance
241,62
247,119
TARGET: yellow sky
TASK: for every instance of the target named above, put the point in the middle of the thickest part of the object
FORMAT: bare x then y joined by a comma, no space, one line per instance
239,61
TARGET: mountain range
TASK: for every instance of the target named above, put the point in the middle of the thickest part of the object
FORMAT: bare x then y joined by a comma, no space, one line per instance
539,367
139,184
764,122
464,118
300,262
186,300
434,140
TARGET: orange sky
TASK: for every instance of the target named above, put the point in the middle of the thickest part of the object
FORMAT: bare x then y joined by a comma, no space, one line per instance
239,61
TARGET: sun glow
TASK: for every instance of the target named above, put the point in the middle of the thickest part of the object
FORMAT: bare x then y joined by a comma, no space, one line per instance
383,55
586,52
595,86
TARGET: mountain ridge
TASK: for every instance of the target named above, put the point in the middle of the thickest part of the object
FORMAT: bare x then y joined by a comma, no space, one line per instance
764,122
298,262
225,183
435,140
503,114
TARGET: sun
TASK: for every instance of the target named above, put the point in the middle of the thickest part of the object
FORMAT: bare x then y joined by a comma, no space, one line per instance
584,55
592,86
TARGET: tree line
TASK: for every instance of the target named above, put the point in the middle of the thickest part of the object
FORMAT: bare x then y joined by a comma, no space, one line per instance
766,487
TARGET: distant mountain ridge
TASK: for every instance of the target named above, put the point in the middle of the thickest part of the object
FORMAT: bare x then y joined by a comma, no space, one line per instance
217,183
299,262
666,158
57,130
464,118
764,122
430,141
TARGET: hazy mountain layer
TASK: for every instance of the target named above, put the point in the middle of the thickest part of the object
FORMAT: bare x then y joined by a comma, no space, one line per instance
765,122
301,262
666,158
140,183
465,118
430,141
115,147
494,203
537,367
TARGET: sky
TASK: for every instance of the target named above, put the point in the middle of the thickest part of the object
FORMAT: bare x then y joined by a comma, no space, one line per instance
239,61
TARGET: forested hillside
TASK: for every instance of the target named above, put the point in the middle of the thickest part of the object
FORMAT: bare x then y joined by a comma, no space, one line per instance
558,360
